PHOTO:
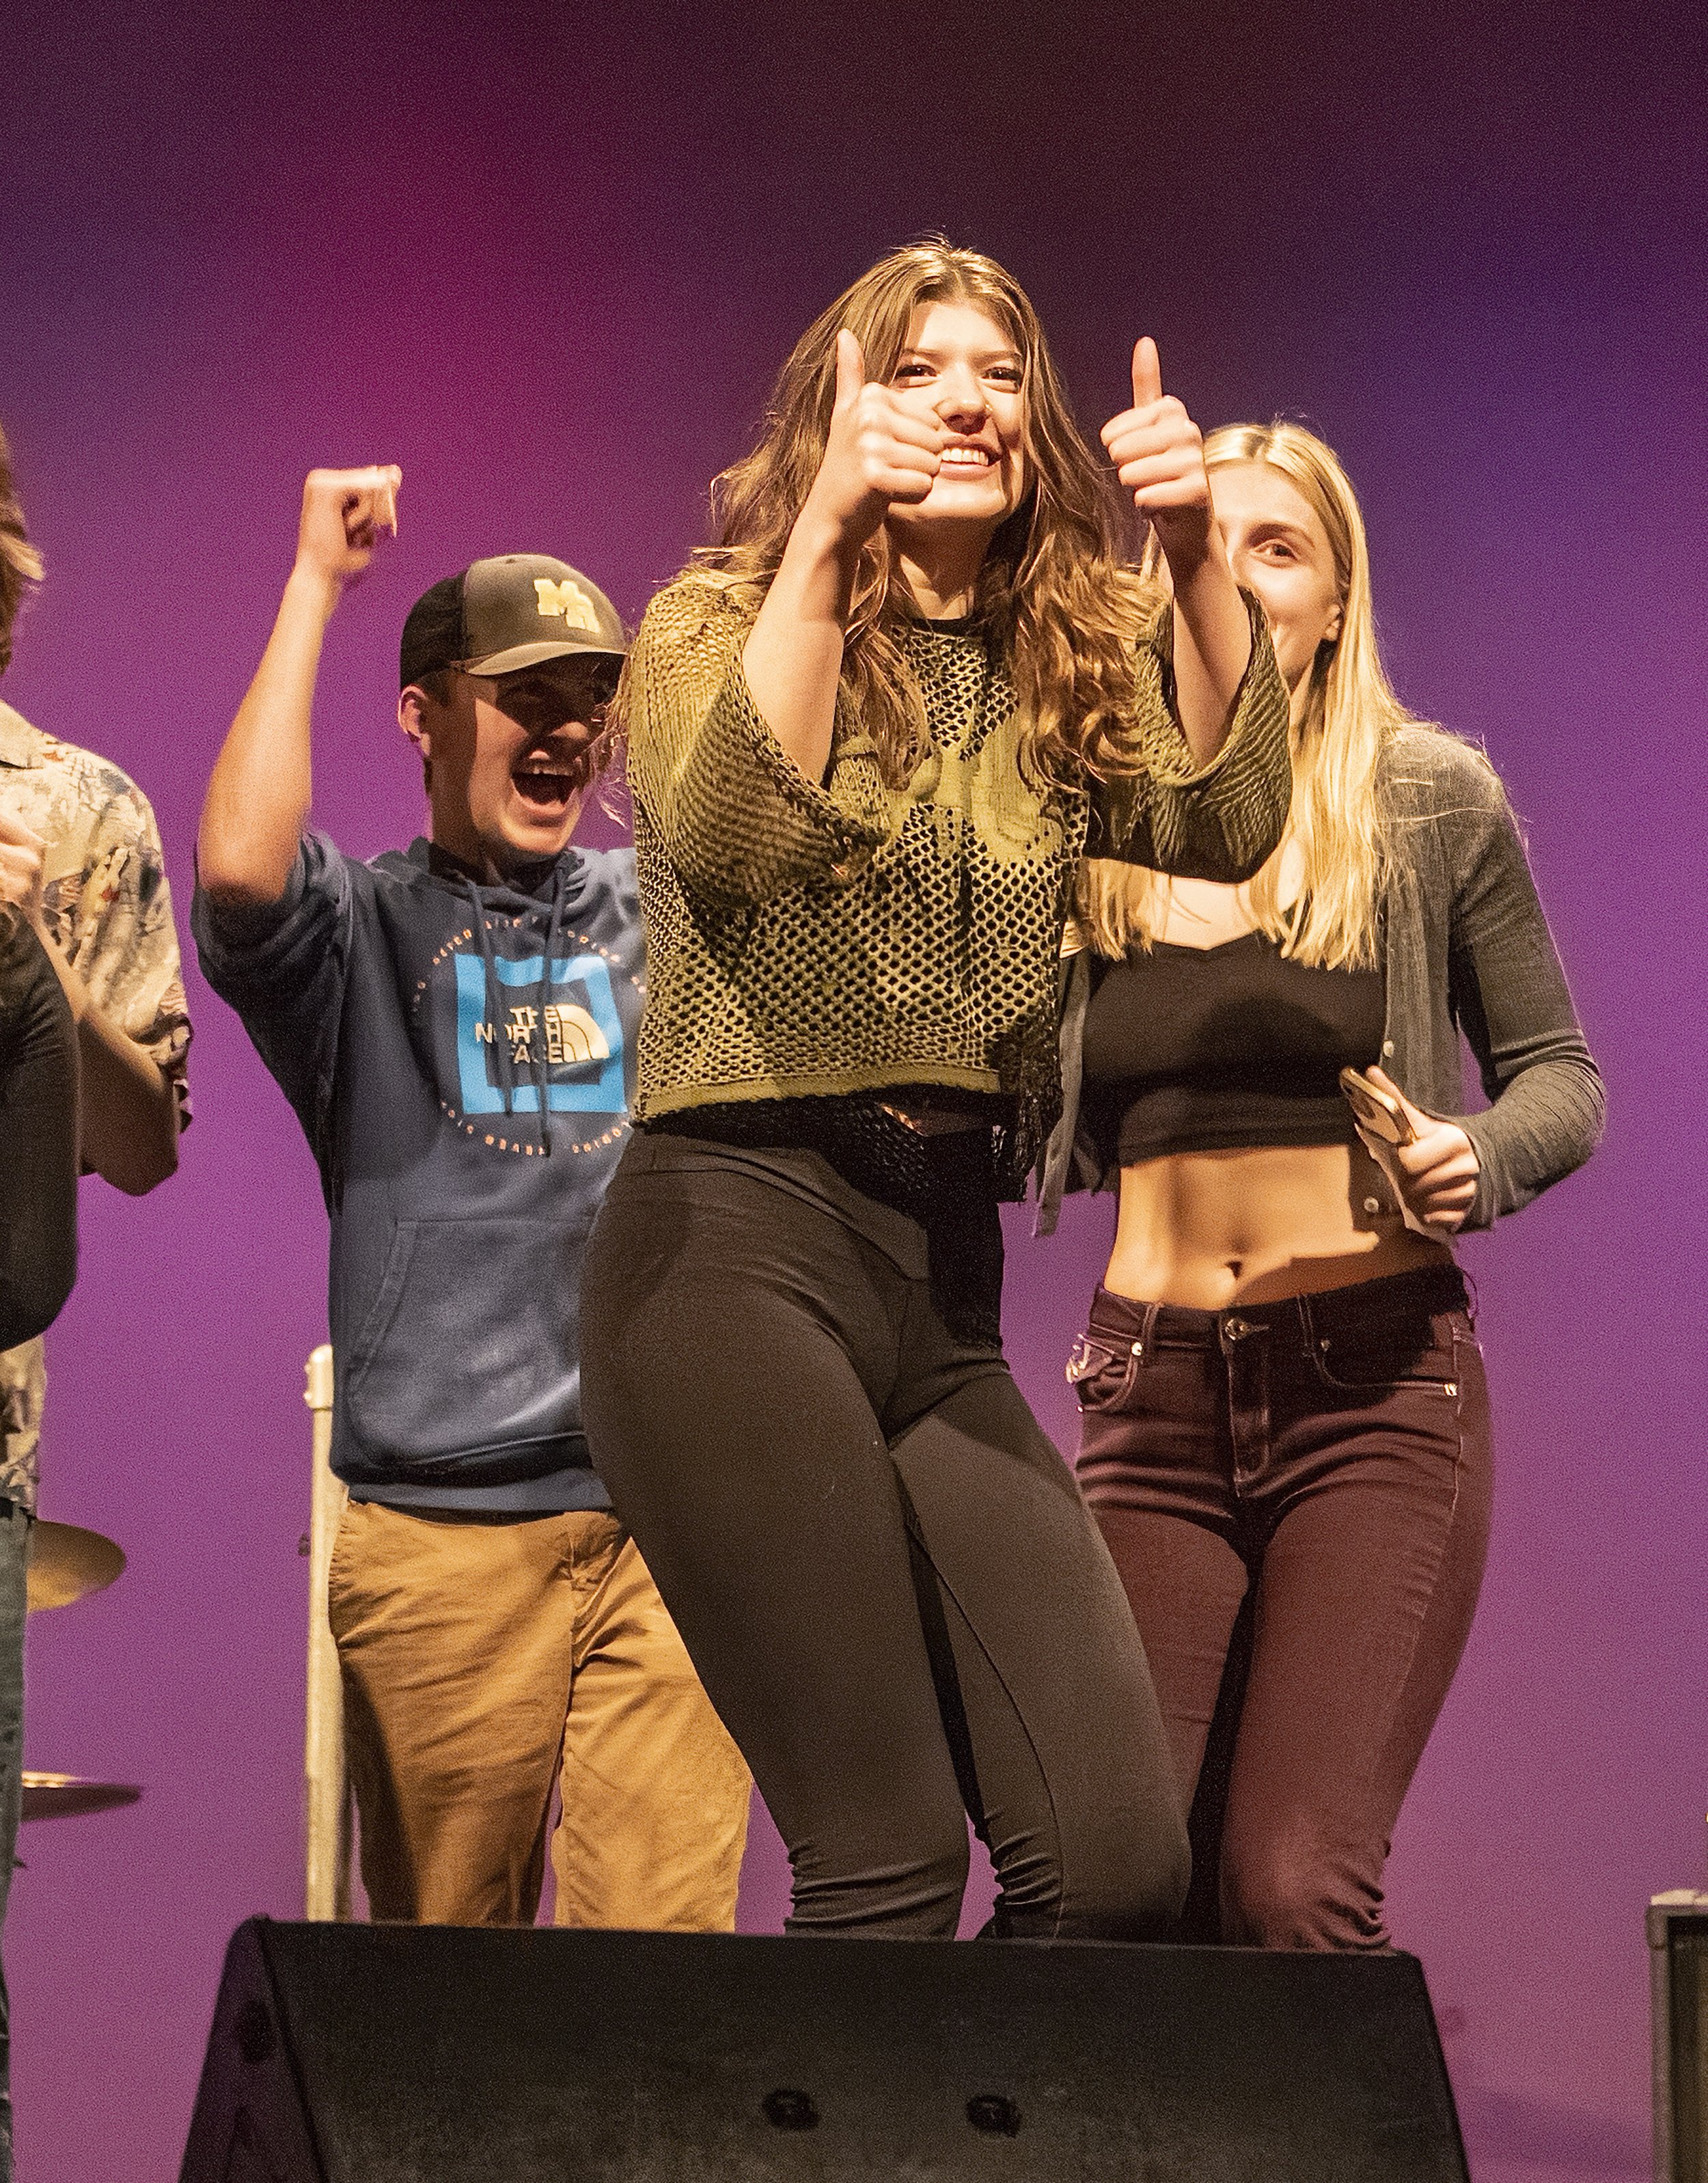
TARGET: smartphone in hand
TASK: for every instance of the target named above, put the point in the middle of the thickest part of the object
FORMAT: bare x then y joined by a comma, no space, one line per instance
1376,1110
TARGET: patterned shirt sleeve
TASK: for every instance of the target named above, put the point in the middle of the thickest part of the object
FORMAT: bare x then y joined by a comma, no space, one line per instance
112,915
107,904
738,819
1216,822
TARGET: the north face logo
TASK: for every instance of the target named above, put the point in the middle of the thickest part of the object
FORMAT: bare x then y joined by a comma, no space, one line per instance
566,598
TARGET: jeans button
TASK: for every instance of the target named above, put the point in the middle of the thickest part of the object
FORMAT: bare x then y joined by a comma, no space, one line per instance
1234,1328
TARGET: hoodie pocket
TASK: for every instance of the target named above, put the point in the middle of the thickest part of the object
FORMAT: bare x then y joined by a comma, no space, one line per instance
467,1358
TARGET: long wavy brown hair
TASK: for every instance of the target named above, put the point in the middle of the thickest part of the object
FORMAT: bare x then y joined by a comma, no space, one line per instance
1059,593
21,564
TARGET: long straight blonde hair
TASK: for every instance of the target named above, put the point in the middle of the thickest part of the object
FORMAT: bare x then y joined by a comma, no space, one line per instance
1060,594
1350,716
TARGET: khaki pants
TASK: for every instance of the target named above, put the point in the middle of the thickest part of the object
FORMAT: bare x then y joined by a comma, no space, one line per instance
480,1655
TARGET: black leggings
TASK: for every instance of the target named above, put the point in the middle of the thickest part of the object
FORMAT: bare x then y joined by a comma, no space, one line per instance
880,1565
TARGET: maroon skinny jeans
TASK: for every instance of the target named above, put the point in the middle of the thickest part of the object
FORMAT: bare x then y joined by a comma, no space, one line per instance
1296,1497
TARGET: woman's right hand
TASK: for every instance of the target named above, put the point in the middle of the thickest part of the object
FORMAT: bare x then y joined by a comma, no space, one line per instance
880,453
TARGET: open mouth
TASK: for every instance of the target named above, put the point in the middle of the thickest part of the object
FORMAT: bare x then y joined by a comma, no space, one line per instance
549,787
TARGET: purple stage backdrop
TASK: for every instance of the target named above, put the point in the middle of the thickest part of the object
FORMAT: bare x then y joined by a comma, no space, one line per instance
546,259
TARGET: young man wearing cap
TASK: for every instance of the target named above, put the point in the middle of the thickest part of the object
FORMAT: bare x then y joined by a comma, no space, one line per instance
453,1026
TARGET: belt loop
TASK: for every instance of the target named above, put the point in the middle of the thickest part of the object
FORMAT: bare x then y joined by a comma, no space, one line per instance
1147,1332
1307,1321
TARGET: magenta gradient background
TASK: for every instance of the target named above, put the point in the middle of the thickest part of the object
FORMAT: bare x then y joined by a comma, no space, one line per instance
547,258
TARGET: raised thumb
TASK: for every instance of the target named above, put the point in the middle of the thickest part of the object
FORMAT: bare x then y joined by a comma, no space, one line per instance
1147,373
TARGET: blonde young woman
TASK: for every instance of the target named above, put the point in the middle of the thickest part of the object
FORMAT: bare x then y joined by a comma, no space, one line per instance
856,741
1285,1425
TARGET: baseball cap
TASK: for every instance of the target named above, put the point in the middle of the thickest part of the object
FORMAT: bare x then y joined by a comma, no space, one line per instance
507,613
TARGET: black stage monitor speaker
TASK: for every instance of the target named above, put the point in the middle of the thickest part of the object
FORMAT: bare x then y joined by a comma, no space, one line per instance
1678,1986
444,2054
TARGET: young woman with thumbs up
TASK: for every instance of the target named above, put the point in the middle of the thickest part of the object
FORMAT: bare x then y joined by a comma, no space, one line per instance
861,733
1285,1425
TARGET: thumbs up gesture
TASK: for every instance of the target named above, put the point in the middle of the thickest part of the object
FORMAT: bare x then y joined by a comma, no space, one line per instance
880,453
1158,455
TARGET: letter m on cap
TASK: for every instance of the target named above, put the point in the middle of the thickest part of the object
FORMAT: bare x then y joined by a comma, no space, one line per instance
566,598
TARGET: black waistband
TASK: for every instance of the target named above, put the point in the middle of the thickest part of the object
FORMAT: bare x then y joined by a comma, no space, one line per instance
930,1177
928,1203
1421,1291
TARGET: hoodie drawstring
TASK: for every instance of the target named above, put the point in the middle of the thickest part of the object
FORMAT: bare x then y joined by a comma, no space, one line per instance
506,1066
554,933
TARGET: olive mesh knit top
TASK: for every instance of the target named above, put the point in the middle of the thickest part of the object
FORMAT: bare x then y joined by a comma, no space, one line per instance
807,939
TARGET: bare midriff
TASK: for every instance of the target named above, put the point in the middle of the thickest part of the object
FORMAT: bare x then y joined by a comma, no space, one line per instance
1250,1225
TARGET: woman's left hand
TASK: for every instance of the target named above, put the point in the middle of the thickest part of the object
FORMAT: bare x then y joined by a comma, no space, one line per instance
1158,455
1434,1177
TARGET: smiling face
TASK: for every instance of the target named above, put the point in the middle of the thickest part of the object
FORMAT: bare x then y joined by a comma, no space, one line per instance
959,369
510,757
1280,550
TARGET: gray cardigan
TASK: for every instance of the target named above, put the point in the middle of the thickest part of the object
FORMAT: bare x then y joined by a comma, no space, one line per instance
1464,948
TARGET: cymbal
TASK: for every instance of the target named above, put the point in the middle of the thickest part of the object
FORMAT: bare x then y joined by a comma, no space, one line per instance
66,1562
66,1796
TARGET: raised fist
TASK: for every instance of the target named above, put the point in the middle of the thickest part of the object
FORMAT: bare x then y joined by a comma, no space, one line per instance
345,513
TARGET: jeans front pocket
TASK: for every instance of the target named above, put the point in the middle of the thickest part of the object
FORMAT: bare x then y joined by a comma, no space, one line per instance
1408,1350
1101,1370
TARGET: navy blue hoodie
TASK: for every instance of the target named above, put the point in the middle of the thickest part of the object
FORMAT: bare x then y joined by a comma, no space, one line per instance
413,1018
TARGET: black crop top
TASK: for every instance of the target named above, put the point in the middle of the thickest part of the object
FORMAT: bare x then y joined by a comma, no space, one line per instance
1206,1049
